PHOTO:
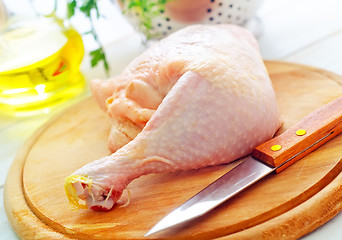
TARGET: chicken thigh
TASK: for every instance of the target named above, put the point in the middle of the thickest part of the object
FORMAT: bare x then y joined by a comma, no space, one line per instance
200,97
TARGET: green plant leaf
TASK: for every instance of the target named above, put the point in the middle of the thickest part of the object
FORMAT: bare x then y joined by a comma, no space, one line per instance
71,8
88,5
97,56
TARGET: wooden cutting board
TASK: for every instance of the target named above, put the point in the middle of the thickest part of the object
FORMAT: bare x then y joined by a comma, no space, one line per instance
281,206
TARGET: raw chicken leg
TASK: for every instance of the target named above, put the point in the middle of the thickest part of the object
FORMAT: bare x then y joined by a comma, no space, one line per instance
214,103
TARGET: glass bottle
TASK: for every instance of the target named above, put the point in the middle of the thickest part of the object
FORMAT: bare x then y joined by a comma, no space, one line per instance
39,65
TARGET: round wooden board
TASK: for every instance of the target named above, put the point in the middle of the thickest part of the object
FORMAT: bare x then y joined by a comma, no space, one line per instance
286,205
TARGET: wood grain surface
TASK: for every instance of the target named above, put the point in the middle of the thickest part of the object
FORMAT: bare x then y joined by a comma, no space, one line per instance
287,205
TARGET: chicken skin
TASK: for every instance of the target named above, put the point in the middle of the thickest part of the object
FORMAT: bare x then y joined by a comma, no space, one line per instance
198,98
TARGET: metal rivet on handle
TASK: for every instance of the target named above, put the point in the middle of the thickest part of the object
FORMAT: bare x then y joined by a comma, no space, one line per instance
276,147
300,132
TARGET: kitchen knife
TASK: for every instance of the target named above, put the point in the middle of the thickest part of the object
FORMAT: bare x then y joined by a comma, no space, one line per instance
272,156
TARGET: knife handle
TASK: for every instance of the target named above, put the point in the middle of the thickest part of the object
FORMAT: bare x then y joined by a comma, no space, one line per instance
310,133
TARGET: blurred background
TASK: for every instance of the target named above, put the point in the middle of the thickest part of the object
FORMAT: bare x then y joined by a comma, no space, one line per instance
113,32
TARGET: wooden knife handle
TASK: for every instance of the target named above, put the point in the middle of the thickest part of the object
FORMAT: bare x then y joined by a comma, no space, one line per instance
310,133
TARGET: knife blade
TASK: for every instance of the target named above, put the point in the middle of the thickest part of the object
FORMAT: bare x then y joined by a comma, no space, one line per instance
274,155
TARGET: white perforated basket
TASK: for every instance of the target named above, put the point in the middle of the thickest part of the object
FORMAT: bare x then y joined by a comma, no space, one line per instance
162,19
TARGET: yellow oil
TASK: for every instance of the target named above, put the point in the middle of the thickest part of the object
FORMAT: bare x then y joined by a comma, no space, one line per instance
39,66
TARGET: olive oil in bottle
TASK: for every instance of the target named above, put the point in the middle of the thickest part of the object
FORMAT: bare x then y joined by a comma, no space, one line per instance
39,66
